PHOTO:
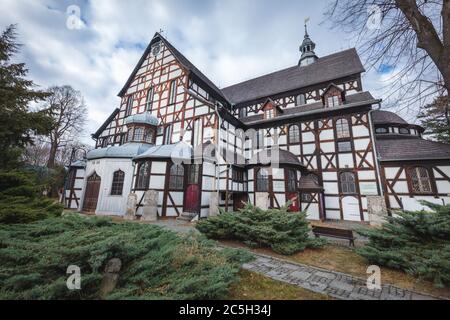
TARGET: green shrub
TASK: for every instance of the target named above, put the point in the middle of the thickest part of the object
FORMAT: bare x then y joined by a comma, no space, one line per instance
284,232
415,242
21,201
156,263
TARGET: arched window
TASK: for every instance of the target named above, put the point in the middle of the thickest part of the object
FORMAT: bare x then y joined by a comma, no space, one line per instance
342,129
262,180
117,183
291,180
143,176
294,134
348,182
300,100
176,181
129,109
420,180
149,99
104,142
138,134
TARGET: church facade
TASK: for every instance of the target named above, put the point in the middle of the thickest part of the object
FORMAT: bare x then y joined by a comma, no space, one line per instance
308,136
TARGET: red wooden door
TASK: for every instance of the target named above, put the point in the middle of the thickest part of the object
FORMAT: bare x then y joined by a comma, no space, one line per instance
293,197
193,192
192,198
92,192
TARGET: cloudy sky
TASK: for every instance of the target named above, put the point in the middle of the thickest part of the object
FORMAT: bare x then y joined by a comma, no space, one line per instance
229,40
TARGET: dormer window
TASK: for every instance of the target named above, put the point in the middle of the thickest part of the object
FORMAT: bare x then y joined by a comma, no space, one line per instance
270,110
269,113
333,96
333,101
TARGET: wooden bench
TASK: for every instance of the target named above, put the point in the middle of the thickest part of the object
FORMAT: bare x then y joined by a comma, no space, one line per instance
334,233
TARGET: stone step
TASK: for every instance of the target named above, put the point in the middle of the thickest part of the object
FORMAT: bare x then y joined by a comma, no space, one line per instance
188,217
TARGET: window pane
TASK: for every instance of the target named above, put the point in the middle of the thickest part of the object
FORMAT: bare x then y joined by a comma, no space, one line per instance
176,181
143,176
348,182
342,129
344,146
129,106
149,100
294,134
117,184
262,180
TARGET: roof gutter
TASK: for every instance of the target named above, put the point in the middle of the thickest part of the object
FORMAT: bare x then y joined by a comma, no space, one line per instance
377,158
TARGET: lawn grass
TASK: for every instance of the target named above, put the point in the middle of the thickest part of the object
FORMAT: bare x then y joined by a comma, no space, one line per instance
253,286
343,259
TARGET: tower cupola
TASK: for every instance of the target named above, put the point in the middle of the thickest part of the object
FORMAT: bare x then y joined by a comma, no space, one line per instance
307,50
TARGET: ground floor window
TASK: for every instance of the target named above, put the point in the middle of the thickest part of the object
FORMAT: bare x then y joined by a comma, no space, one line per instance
291,176
143,175
348,182
262,180
176,180
420,180
117,183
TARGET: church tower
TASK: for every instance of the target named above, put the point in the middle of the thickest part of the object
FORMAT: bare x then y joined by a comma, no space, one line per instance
307,49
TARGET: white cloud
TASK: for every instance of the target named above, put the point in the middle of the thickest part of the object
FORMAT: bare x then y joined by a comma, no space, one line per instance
230,41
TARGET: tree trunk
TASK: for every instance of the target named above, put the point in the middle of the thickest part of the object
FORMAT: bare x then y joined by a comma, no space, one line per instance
52,156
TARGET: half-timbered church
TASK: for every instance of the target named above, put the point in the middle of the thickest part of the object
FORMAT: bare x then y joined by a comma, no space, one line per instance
308,136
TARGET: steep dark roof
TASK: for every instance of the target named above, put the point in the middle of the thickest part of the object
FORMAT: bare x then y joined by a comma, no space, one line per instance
387,117
105,124
307,182
335,66
182,59
357,98
285,158
411,149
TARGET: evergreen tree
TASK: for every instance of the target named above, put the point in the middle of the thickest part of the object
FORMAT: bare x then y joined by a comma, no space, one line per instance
415,242
284,232
17,122
435,118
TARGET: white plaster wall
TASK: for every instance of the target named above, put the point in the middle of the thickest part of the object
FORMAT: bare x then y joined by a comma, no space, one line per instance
105,168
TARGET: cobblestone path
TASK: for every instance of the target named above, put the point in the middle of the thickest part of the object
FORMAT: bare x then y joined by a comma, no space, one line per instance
335,284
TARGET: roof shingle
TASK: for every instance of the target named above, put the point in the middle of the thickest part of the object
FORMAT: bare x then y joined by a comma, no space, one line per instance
334,66
411,149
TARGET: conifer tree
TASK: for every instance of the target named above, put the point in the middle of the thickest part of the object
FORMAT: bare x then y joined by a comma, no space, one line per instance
18,122
435,118
415,242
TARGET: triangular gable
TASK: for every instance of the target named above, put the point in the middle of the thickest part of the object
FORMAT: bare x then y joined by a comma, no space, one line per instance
332,89
270,104
331,86
185,63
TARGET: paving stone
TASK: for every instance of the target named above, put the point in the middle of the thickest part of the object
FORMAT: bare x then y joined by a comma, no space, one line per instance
328,275
342,285
302,275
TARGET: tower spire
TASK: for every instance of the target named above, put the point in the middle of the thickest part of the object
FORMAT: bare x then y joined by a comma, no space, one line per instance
307,48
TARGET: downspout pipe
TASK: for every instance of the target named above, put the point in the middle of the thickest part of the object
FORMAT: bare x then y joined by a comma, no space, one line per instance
377,159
